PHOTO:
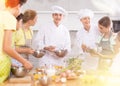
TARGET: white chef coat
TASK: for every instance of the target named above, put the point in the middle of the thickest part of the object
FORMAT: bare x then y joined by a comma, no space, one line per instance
89,39
51,35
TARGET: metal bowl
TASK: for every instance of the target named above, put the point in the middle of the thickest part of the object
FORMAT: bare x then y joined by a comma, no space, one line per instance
39,53
19,71
60,53
45,81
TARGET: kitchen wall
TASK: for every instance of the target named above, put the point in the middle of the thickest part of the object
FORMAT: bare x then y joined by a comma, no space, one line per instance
111,6
71,21
70,5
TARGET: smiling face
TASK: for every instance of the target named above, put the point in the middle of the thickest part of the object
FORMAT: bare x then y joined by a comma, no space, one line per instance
85,20
57,18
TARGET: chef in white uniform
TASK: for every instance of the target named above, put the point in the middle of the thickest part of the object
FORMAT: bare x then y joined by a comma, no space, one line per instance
86,38
53,36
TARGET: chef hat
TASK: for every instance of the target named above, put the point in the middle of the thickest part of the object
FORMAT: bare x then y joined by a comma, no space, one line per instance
85,13
58,9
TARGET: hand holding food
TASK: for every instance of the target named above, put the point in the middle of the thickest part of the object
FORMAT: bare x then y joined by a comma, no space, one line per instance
27,65
30,51
84,47
50,48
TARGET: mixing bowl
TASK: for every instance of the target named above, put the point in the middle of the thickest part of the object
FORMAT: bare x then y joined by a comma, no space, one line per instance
19,71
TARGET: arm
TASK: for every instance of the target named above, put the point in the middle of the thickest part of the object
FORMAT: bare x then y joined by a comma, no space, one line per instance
7,42
24,50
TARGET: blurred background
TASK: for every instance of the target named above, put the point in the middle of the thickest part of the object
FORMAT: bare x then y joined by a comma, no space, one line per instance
71,21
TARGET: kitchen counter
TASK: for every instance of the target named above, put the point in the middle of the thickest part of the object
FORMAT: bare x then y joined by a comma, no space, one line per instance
91,78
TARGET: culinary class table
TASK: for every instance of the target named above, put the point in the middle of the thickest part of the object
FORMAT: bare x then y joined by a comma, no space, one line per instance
68,83
28,80
91,78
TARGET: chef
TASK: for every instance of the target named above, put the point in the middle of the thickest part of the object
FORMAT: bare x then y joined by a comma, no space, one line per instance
86,38
53,36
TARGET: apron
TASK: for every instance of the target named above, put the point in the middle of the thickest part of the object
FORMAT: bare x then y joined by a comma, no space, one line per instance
105,63
5,66
28,43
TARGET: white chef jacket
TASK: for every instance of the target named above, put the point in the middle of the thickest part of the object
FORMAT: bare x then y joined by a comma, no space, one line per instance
89,39
51,35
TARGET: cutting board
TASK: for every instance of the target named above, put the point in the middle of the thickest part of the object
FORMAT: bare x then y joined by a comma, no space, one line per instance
26,79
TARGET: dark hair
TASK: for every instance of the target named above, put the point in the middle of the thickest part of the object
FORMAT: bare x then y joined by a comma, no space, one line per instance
29,15
19,17
105,21
14,3
22,2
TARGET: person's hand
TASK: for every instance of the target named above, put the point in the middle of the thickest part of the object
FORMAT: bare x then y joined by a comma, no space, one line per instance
27,65
50,48
30,51
84,47
14,65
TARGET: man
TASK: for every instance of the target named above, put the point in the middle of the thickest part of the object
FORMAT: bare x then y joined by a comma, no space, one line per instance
53,36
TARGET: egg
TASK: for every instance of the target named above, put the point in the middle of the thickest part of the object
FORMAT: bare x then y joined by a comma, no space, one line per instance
68,72
63,74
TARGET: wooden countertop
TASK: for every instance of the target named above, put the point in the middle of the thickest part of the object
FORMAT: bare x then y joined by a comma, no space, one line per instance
76,82
91,79
22,82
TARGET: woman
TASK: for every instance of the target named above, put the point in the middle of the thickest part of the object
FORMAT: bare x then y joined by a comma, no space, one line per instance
86,38
115,68
53,36
7,27
106,43
23,37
